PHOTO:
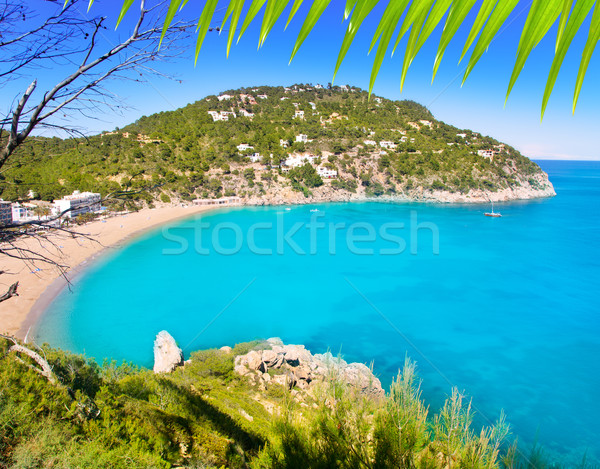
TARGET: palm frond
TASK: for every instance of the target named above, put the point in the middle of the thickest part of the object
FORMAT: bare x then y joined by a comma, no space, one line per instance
419,19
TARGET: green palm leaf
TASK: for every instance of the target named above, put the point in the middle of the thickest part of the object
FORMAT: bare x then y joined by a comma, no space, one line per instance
567,5
458,12
484,12
592,40
255,7
383,33
126,6
421,19
293,11
204,24
578,15
234,10
493,25
363,8
542,16
438,10
173,7
272,13
315,12
418,20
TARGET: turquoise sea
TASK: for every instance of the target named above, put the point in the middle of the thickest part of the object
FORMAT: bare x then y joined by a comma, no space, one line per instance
507,309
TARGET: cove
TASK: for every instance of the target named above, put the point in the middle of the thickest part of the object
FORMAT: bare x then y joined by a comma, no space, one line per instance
505,309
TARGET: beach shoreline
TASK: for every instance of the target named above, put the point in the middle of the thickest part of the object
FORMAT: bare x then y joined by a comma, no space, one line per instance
40,283
38,288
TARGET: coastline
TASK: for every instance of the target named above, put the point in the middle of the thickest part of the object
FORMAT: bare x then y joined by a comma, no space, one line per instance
38,288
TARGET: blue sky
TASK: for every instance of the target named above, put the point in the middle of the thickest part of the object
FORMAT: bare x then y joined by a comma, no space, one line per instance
478,105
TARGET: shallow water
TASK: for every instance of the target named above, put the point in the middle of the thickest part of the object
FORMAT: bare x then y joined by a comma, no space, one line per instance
506,309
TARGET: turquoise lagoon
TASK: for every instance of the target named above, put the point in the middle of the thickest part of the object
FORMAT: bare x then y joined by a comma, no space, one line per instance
506,309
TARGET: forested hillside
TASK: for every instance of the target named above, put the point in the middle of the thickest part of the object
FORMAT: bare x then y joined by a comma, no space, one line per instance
184,154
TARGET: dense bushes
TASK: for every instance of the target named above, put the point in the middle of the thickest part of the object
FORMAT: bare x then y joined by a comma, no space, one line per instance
205,415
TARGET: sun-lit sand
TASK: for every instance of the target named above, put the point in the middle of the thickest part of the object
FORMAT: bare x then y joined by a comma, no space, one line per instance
17,313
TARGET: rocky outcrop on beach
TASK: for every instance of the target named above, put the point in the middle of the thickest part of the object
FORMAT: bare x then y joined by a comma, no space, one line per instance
293,366
167,355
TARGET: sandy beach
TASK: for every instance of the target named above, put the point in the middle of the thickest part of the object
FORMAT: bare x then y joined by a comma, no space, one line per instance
41,280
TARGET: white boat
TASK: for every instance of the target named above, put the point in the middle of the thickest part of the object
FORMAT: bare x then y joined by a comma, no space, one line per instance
492,213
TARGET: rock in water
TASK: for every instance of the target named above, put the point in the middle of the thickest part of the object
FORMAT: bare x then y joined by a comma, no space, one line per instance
167,356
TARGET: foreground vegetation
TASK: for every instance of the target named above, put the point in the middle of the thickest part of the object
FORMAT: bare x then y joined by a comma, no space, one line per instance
205,415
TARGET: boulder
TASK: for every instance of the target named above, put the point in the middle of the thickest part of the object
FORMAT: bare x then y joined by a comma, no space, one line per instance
272,359
226,349
167,356
253,360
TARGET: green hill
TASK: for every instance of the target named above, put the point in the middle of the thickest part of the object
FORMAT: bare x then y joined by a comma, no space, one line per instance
184,154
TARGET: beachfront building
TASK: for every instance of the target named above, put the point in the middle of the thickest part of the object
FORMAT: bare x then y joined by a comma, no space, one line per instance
5,213
302,138
221,201
326,173
23,212
77,204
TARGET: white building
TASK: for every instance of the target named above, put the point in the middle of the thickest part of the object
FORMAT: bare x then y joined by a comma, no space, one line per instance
255,157
300,160
77,204
221,115
377,100
344,88
461,135
5,212
486,153
387,144
403,139
370,142
326,172
22,212
299,114
313,106
245,113
283,143
244,147
302,138
318,86
262,96
424,122
224,97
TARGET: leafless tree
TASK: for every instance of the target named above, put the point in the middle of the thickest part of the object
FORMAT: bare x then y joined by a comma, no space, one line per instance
67,39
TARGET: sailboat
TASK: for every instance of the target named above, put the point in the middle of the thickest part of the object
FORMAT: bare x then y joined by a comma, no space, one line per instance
492,213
